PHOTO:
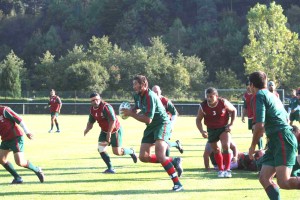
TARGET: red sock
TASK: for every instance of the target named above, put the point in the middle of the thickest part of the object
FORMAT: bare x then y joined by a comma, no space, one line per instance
227,159
153,158
168,166
219,160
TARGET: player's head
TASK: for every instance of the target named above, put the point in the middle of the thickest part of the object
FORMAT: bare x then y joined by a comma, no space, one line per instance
271,86
211,95
259,154
95,99
156,89
258,79
248,86
293,92
140,84
52,92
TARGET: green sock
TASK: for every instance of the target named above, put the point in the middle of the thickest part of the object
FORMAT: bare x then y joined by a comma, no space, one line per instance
127,151
32,167
106,159
273,192
10,168
57,126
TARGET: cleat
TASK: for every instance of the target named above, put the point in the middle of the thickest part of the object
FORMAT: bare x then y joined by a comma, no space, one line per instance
133,156
178,165
179,146
58,131
40,175
17,181
50,131
109,171
177,188
221,174
227,174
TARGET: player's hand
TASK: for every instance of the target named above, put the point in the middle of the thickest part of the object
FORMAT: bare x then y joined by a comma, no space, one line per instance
108,138
29,135
251,153
204,134
234,160
228,128
243,119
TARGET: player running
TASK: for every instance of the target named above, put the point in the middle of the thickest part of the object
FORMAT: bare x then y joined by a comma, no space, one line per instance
13,140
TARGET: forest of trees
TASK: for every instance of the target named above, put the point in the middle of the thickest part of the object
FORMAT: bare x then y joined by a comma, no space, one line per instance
182,45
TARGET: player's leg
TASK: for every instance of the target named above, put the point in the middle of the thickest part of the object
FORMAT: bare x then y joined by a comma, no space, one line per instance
18,149
176,144
160,149
116,143
225,139
102,149
8,166
56,122
284,179
266,176
218,157
52,122
145,153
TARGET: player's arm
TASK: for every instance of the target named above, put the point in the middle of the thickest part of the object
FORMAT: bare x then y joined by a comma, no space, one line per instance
58,100
244,113
258,132
171,108
234,151
109,114
232,110
89,125
199,119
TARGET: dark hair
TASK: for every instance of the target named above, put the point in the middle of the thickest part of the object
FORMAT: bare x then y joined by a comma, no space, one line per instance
141,80
211,90
94,94
247,82
258,79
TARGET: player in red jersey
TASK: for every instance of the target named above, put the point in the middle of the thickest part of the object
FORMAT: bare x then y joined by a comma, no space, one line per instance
216,112
272,88
13,140
172,113
55,106
248,111
111,131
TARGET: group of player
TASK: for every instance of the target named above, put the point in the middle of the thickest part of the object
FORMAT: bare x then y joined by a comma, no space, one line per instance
151,108
267,115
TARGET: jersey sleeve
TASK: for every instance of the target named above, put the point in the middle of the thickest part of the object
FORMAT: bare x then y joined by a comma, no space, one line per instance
151,103
171,108
91,119
109,113
259,108
12,116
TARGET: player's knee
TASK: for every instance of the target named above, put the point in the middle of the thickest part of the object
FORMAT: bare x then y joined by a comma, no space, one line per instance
284,184
102,147
143,158
118,151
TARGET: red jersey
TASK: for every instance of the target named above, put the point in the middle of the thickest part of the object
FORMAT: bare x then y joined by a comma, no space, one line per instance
55,103
9,121
103,115
247,99
164,101
216,117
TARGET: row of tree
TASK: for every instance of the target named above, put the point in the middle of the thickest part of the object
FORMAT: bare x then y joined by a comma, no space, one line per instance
184,46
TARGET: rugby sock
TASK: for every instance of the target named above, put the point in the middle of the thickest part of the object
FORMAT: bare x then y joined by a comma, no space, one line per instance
106,159
31,166
273,192
226,159
57,126
153,158
169,167
127,151
219,160
260,143
10,168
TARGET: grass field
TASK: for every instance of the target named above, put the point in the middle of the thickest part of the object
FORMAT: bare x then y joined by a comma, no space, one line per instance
73,167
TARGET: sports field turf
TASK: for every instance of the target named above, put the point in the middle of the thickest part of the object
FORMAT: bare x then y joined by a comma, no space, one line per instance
73,167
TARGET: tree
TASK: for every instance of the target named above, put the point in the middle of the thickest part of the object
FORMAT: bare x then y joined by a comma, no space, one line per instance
272,45
10,72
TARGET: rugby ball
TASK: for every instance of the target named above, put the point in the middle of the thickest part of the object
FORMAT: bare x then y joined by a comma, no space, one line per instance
124,105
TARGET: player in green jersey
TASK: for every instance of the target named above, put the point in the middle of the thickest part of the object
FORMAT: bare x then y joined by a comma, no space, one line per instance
270,117
158,129
293,109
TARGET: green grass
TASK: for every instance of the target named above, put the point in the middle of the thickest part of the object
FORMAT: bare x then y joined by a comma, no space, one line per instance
73,166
